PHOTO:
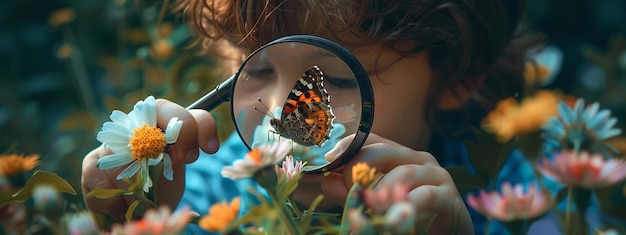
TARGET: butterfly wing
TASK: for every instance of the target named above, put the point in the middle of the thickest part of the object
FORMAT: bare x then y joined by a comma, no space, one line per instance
308,89
307,116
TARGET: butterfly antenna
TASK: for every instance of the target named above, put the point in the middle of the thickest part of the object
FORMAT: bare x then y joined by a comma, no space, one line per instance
267,109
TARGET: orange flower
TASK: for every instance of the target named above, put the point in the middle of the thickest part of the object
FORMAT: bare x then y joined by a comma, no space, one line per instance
536,73
12,164
220,215
509,118
363,173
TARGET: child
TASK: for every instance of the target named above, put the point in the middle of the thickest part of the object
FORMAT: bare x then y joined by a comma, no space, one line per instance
435,66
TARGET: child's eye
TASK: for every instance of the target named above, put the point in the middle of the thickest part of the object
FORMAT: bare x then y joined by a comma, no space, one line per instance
341,83
259,73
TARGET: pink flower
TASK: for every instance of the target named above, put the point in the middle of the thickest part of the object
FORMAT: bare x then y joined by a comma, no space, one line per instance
583,169
290,168
384,196
512,203
156,222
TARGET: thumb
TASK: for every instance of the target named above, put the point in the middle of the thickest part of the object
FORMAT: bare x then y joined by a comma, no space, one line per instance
334,188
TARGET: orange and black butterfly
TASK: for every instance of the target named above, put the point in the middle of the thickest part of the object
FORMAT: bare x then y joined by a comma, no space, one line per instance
306,117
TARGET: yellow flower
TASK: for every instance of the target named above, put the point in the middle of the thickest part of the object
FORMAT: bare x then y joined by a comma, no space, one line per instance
61,16
363,173
12,164
220,215
510,119
536,73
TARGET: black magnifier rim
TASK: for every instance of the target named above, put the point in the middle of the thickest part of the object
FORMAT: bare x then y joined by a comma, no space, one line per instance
365,87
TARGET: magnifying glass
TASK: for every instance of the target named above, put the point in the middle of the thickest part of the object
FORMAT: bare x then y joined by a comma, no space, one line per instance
302,89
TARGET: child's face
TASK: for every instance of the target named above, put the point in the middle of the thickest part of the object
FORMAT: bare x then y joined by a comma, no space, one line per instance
400,89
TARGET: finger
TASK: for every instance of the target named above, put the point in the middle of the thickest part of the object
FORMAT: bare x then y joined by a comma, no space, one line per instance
93,178
335,188
374,138
384,158
186,148
309,188
339,148
413,176
427,197
207,130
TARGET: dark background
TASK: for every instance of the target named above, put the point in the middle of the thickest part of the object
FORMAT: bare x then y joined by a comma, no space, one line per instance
65,64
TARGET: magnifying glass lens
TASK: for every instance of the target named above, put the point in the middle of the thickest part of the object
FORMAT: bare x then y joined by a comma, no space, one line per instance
297,93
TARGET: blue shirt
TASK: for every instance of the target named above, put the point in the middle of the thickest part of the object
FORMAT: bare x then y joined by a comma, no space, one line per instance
205,186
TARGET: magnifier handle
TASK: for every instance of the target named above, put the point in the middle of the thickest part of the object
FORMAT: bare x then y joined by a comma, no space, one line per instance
215,97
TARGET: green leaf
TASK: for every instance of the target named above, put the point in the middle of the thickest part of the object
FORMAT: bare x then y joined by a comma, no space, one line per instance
470,182
255,215
351,202
487,154
105,193
131,210
560,195
457,171
530,144
306,221
5,198
38,179
287,186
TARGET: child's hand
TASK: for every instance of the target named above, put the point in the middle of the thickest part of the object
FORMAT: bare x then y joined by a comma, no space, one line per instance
433,189
198,132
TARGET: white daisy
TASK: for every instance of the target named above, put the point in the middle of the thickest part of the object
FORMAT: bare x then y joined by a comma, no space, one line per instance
258,158
134,138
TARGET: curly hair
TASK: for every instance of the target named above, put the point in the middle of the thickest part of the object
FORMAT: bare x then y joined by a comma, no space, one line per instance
466,40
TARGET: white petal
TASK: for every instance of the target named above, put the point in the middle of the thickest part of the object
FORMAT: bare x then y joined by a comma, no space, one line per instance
155,161
132,118
119,148
120,117
117,128
151,110
145,111
168,171
111,138
173,130
145,176
114,160
130,171
235,173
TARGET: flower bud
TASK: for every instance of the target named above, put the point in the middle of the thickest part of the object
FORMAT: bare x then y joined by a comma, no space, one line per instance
48,202
81,223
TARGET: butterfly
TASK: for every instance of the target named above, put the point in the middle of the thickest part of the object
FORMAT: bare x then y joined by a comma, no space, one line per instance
306,117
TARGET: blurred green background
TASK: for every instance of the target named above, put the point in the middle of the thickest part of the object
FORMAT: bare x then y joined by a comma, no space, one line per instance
66,64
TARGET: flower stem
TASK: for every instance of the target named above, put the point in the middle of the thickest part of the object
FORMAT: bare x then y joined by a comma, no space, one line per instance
294,205
488,225
568,210
287,220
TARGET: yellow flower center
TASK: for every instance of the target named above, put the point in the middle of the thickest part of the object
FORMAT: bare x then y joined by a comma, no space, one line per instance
147,142
363,173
